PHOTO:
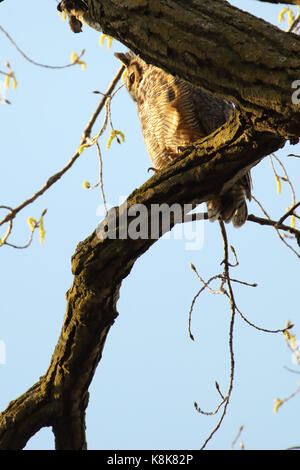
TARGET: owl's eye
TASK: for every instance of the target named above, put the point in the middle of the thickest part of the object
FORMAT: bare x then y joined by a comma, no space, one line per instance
132,77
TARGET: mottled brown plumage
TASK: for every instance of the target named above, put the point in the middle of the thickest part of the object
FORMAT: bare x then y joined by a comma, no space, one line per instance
174,114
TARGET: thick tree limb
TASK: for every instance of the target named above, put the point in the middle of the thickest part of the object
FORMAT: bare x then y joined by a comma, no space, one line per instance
25,416
213,45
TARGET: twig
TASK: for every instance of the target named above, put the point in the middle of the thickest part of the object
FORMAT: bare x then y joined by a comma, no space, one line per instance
239,282
88,129
237,436
86,133
292,395
18,247
287,177
233,311
265,330
293,155
294,24
226,278
206,284
210,413
101,175
288,213
296,232
218,389
9,228
235,256
12,245
33,61
292,370
273,223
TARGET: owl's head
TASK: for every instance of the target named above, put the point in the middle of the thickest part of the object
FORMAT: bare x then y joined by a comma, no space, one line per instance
135,70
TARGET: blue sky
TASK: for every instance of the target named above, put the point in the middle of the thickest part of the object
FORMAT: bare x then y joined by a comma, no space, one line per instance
151,372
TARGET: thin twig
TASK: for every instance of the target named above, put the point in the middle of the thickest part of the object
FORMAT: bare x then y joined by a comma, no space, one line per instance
59,174
294,24
292,395
19,247
265,330
22,247
273,223
233,311
210,413
88,129
9,228
218,390
277,228
287,178
101,175
288,213
33,61
240,282
292,370
237,436
226,278
206,284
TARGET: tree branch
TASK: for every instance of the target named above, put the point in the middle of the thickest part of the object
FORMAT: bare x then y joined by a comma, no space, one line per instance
213,45
276,225
288,213
25,416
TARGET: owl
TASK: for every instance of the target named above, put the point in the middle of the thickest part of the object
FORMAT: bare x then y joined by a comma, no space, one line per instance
174,114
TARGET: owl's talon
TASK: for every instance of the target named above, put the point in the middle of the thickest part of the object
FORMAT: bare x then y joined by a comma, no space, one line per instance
153,169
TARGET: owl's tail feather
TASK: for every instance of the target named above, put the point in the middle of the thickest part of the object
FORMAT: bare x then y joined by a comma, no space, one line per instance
240,215
230,207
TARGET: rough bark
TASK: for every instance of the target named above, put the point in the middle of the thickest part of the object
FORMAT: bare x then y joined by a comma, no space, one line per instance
215,46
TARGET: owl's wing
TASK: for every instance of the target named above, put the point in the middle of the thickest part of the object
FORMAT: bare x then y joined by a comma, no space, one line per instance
154,127
161,117
212,111
246,182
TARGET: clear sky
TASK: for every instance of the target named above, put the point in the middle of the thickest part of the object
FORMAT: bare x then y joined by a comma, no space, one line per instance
151,372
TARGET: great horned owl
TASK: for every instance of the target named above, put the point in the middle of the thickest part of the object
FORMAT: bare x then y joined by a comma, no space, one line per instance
174,114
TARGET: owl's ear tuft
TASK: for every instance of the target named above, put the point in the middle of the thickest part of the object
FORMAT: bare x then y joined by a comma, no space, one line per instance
124,58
